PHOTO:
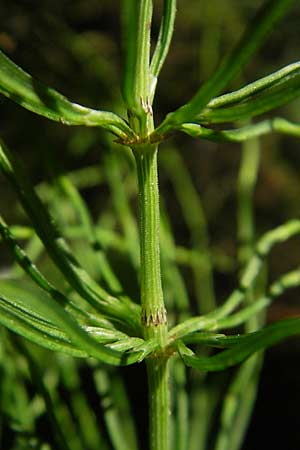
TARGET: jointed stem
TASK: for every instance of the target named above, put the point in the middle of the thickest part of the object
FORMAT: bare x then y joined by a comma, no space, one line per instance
153,310
154,319
139,96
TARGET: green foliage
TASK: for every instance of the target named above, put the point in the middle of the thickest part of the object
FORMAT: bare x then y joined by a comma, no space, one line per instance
82,306
33,95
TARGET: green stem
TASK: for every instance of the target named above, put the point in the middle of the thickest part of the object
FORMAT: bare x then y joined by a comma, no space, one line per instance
137,17
159,403
154,318
246,186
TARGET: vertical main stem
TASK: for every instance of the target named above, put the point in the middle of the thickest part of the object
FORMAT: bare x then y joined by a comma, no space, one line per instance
154,317
159,403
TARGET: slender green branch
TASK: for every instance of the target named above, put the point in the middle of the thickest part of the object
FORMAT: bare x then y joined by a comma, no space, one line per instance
90,429
121,203
247,282
30,93
84,217
117,414
246,184
37,378
30,269
238,404
287,281
243,346
256,98
195,219
279,78
245,315
57,248
242,134
174,284
163,42
181,400
265,19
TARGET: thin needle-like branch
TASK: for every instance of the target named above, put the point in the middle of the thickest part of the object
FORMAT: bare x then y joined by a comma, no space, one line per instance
163,43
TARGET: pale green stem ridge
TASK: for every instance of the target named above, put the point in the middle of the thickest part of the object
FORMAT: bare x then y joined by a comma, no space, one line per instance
143,48
159,401
154,317
136,85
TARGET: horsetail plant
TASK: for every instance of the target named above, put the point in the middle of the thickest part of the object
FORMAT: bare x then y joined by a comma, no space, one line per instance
90,319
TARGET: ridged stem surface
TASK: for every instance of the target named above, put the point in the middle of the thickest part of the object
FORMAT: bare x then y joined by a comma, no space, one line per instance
154,318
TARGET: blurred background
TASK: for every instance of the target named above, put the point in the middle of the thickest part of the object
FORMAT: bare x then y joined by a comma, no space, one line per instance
75,47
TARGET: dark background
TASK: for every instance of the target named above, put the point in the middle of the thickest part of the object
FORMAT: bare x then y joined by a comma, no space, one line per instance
74,46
